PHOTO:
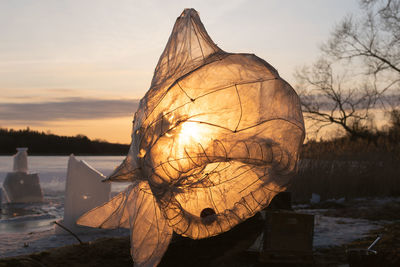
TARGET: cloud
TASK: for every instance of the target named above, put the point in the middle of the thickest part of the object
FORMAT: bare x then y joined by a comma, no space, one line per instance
76,108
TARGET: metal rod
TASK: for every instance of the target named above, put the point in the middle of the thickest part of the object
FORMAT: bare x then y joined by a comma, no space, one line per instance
374,243
69,231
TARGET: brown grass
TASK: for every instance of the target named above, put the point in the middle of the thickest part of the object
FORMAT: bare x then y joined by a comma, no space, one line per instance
348,168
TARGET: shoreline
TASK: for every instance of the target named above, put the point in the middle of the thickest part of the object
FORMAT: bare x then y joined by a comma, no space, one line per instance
114,251
230,248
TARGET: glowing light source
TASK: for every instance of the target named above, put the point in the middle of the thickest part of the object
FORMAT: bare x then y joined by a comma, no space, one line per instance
191,132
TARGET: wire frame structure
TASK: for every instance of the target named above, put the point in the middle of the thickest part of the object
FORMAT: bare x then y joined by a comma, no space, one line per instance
215,138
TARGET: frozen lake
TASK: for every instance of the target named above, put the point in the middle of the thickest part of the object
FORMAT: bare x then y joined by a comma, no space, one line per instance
52,170
27,228
33,223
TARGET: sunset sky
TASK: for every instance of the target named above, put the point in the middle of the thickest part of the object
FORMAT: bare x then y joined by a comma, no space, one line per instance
80,67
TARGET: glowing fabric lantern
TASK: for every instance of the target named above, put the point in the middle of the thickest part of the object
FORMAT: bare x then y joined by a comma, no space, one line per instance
214,139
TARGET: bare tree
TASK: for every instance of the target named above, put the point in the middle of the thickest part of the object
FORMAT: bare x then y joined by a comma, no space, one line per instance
369,44
372,38
329,99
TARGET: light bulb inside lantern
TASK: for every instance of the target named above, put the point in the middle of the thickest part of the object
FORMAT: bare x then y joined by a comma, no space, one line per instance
190,132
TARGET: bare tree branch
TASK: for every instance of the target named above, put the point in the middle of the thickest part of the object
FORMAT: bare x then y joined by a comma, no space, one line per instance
374,37
328,100
368,43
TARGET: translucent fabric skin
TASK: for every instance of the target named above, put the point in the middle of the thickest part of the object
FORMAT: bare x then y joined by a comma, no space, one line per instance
214,139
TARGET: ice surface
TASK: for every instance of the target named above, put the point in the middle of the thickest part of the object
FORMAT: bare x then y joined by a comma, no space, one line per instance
25,243
336,231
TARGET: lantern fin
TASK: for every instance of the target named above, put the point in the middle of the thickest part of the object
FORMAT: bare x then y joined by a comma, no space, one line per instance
111,215
136,208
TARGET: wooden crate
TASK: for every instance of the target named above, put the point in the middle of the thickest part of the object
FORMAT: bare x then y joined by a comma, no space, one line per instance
288,238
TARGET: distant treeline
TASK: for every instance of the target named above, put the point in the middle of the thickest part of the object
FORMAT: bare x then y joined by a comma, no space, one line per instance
41,143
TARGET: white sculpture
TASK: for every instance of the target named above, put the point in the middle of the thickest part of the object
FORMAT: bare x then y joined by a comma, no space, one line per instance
19,186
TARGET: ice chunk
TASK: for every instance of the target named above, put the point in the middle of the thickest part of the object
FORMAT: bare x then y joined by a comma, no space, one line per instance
21,187
21,160
315,198
83,191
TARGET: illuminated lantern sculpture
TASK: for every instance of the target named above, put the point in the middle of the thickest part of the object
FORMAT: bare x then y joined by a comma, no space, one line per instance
214,139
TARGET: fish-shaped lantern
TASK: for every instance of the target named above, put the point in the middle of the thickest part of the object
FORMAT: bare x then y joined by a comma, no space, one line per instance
215,138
